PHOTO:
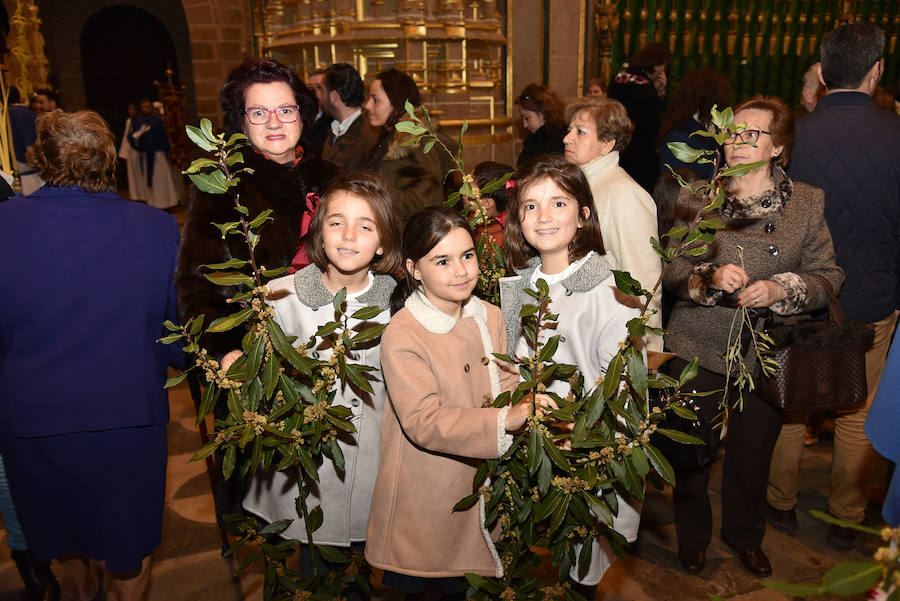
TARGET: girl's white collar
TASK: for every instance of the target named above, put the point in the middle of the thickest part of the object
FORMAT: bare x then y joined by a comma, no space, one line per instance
436,321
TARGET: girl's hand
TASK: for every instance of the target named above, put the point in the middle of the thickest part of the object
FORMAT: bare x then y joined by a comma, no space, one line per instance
729,278
762,293
229,358
516,416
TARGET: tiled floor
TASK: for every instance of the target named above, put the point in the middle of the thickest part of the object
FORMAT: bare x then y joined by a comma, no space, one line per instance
188,565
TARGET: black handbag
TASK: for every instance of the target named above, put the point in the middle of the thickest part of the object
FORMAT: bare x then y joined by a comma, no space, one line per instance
822,365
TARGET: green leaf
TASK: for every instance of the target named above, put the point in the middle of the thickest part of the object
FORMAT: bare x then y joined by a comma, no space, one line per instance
534,450
741,169
367,313
237,138
169,339
683,412
195,325
211,183
234,158
689,372
584,557
270,376
228,278
555,454
852,577
368,334
676,232
205,451
199,164
626,283
717,201
176,380
273,273
466,502
261,218
544,475
339,299
276,527
171,326
337,455
197,137
722,119
206,129
429,145
685,153
637,372
559,514
223,324
358,376
307,463
229,264
408,127
210,395
598,508
228,462
613,376
316,517
639,461
679,436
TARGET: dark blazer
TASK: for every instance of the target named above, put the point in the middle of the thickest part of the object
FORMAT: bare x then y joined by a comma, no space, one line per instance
87,285
546,140
850,148
314,136
354,148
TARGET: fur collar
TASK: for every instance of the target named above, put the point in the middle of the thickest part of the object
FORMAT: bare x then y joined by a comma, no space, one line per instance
436,321
512,289
765,204
398,149
312,292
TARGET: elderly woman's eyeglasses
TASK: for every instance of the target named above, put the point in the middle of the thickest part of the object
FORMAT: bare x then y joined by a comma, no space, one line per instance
748,136
259,115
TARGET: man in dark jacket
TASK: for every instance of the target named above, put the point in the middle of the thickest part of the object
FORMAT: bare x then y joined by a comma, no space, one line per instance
352,138
850,149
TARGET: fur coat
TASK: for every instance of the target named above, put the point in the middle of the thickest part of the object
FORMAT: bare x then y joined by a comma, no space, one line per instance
282,188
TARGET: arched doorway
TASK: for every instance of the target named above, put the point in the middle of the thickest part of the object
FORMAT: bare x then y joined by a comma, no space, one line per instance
123,50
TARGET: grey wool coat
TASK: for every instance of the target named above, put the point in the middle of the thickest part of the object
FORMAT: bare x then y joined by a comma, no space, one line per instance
345,496
784,238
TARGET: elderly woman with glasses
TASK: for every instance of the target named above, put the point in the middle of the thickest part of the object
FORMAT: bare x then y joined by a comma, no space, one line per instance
266,101
774,243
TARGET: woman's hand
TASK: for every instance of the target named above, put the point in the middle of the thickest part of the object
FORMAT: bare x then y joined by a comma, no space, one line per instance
729,278
516,416
762,293
229,358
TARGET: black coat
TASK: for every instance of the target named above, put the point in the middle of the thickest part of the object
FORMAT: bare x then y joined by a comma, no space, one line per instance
546,140
272,186
851,149
635,90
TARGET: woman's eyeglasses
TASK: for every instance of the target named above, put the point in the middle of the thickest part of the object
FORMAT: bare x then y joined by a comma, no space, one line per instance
259,115
748,136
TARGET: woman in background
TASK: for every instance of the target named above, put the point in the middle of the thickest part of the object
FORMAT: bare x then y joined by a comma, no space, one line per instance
542,111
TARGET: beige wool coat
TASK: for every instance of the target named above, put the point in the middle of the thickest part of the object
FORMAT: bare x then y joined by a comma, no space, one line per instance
439,370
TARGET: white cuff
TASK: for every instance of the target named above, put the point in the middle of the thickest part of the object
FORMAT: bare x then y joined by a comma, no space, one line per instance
504,440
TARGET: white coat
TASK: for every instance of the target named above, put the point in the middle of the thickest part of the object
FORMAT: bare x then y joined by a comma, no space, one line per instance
627,217
591,321
345,497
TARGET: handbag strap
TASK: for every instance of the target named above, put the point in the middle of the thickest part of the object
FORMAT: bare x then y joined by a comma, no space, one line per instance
835,311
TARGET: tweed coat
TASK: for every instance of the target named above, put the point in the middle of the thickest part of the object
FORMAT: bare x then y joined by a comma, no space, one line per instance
439,373
345,496
785,239
353,148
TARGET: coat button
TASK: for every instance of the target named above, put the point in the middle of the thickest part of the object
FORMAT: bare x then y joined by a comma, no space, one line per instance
766,203
315,354
773,250
354,402
466,368
485,361
314,308
770,227
568,292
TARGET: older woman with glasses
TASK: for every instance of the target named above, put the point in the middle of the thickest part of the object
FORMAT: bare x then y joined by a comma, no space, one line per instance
774,243
266,101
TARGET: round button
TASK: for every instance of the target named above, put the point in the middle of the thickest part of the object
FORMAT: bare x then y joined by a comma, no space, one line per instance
766,203
315,354
770,227
485,361
568,292
773,250
466,368
354,402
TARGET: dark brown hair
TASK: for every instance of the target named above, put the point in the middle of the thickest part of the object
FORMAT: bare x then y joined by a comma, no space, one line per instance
74,149
371,188
423,232
398,87
782,127
651,55
610,119
488,171
543,100
570,178
263,70
697,93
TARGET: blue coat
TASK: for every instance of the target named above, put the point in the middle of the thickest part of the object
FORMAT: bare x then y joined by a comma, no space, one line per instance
850,148
87,283
881,428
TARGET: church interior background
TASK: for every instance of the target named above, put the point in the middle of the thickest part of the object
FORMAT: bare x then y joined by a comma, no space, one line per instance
470,57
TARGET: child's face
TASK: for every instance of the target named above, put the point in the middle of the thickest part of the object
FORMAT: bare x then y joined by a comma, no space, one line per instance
349,234
550,220
487,203
449,272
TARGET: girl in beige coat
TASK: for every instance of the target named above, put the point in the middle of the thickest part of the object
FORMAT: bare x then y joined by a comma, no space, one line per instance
438,365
